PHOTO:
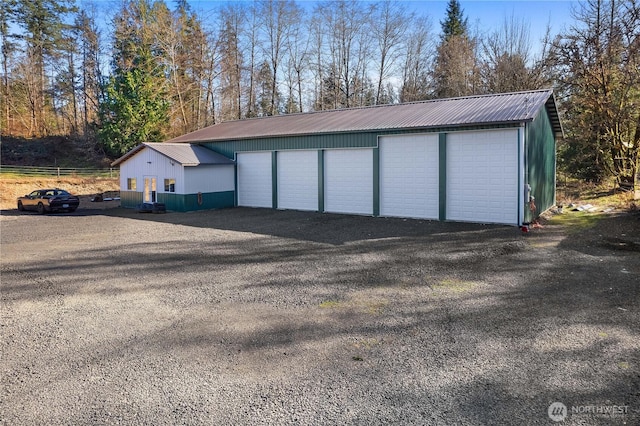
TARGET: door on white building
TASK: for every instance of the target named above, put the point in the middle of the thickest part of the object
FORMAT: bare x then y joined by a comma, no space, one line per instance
150,189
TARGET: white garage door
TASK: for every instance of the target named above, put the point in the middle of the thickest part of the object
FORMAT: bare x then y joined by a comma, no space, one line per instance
348,180
409,178
482,176
254,179
298,180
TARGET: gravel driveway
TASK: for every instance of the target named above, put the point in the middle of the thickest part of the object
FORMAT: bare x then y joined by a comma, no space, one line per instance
251,316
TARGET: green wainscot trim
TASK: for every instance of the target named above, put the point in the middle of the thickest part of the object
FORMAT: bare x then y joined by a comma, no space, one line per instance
130,199
201,201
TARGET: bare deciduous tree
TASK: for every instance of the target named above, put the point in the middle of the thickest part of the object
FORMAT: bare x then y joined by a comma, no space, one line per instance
389,25
278,16
599,71
507,58
418,58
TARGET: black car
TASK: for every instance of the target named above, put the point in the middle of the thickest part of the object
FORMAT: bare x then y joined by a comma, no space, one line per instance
48,200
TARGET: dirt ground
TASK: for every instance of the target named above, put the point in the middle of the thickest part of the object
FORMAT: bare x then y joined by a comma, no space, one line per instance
86,188
254,316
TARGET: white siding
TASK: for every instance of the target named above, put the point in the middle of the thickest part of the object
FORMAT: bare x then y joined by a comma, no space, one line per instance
348,179
151,163
254,179
209,178
409,177
298,180
482,176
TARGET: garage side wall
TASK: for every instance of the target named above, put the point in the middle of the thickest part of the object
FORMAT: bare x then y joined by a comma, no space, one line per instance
541,164
209,178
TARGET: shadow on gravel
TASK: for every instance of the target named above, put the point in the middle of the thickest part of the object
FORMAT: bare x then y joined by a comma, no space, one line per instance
327,228
477,324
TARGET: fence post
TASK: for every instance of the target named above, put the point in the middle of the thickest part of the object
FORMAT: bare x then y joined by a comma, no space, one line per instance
58,172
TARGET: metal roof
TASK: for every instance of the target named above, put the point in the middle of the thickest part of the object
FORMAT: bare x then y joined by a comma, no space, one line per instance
504,108
183,154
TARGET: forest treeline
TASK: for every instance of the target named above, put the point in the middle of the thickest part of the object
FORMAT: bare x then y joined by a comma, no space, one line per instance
157,70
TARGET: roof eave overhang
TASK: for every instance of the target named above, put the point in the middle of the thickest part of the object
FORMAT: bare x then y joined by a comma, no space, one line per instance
128,155
554,116
429,129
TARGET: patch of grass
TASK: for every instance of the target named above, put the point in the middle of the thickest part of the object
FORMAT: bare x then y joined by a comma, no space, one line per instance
603,194
623,365
367,343
543,244
373,306
576,221
327,304
455,285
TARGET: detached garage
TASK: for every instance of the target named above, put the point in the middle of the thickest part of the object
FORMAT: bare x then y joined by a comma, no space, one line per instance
487,159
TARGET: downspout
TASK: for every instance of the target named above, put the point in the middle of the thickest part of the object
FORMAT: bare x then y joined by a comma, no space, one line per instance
522,175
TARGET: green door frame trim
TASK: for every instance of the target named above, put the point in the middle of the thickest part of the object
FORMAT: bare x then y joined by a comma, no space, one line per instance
522,203
321,180
235,181
442,176
376,180
274,179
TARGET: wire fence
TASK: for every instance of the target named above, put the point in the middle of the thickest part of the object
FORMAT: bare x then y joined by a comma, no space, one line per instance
59,171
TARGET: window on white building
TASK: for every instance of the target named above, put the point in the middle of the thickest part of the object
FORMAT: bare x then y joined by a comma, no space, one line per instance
131,184
169,185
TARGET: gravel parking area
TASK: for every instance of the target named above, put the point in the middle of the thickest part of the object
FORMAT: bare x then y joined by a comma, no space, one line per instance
252,316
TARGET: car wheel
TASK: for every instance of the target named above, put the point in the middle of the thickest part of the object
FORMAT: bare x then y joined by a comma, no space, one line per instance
41,208
20,206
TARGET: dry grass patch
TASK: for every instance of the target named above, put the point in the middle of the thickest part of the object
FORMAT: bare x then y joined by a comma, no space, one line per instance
12,187
455,285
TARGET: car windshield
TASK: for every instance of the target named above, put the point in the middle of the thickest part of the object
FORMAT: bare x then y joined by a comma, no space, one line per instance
61,192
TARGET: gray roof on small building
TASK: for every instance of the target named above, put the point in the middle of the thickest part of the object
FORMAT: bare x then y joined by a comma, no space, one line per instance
181,153
504,108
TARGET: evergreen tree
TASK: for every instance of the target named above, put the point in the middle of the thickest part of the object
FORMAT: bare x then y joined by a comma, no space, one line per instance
133,111
87,35
455,24
456,71
43,23
7,9
135,108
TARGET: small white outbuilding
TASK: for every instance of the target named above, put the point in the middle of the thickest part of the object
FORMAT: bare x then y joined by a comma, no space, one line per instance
184,177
